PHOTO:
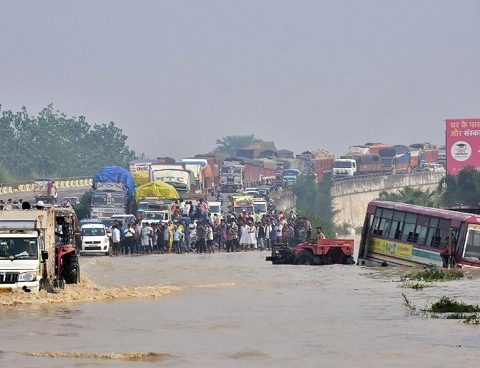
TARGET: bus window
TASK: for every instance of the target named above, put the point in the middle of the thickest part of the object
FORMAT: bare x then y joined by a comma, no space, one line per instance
408,233
431,236
397,225
422,229
444,227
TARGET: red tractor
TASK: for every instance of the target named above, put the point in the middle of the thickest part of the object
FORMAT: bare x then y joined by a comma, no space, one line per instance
314,252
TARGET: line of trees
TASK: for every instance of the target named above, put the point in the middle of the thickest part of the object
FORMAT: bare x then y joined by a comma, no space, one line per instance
54,145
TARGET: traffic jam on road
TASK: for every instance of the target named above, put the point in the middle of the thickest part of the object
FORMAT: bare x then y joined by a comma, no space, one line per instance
200,204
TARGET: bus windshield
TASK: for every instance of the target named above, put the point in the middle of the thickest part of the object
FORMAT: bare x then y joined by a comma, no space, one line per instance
472,246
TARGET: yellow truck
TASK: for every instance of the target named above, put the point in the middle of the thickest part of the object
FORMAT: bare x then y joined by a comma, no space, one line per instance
242,203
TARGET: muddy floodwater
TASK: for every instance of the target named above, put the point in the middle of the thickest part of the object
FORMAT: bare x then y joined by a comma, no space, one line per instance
234,310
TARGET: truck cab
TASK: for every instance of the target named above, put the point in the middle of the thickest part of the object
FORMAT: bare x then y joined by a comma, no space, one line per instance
344,167
20,267
156,217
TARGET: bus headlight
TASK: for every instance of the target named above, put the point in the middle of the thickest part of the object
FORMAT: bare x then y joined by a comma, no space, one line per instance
27,276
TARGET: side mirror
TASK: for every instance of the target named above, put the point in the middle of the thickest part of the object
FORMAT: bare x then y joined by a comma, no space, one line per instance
44,255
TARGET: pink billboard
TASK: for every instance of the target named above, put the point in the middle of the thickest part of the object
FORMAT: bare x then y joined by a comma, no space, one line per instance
462,144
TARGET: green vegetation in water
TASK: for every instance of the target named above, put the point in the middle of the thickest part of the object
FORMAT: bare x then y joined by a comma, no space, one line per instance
448,305
430,273
472,320
415,285
447,308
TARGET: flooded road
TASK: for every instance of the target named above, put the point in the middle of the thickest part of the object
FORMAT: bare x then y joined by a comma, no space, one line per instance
234,310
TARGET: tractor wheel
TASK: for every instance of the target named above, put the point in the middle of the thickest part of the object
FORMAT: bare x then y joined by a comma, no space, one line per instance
71,269
305,258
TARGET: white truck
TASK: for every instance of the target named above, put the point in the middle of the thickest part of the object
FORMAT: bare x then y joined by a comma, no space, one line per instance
37,249
181,179
344,167
261,208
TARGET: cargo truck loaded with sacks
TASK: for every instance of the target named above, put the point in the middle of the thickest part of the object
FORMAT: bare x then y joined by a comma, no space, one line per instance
37,249
113,192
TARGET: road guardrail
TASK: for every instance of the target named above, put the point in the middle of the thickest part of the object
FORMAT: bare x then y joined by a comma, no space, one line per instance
9,188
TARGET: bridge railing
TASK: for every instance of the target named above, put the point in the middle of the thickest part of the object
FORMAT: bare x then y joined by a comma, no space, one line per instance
27,186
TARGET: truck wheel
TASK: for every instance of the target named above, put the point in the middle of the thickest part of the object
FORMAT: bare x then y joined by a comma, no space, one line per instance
349,260
71,269
305,258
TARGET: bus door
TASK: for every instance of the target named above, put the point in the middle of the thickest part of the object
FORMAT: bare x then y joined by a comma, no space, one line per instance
363,249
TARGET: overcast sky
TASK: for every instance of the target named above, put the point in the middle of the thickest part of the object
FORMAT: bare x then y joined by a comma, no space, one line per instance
176,75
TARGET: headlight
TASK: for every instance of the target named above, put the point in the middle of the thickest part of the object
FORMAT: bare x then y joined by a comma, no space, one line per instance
27,276
106,241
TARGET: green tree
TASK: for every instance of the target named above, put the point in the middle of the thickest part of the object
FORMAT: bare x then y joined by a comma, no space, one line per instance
314,201
230,144
428,198
462,189
52,144
83,208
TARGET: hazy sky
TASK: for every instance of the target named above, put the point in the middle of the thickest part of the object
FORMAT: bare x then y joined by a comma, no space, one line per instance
176,75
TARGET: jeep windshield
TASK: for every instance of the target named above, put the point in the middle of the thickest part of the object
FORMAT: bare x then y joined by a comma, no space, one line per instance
18,248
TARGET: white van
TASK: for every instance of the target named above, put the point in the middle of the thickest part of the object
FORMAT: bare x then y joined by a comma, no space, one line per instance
124,218
95,239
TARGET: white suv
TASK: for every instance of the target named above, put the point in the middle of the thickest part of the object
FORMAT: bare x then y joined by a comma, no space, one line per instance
95,239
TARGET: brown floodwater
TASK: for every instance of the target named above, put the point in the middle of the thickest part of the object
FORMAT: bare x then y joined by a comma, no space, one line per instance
234,310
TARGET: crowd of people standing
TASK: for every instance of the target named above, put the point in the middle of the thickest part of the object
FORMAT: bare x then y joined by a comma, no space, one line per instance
231,235
193,229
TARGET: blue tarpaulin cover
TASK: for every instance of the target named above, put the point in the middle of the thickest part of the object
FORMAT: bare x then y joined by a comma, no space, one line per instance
116,174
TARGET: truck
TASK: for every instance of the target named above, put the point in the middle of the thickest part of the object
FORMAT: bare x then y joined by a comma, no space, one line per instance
344,167
113,192
38,249
231,176
290,177
242,203
239,173
260,207
155,196
176,175
45,190
314,252
202,173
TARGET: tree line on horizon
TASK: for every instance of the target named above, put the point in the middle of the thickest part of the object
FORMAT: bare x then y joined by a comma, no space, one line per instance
51,144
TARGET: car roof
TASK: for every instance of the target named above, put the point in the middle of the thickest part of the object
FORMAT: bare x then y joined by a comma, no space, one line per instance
100,226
